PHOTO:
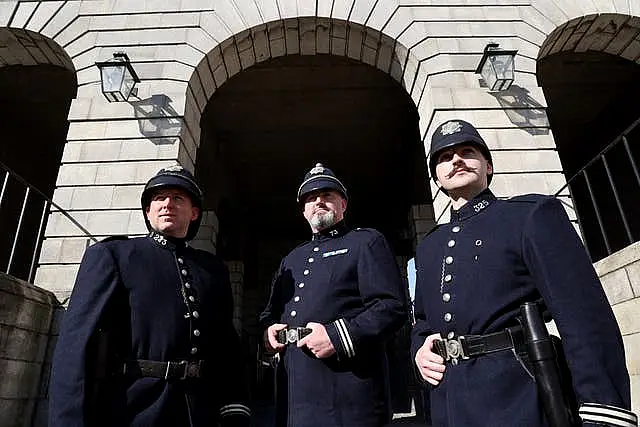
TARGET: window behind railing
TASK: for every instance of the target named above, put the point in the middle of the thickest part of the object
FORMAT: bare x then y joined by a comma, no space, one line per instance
606,195
23,218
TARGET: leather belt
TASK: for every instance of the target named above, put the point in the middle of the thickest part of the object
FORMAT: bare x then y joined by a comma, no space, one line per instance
292,335
168,370
467,346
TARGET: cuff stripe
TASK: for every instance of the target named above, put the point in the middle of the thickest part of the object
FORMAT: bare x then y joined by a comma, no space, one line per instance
609,415
235,409
341,327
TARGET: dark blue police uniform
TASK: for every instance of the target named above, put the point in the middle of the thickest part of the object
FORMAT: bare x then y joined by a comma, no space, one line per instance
472,276
157,300
349,281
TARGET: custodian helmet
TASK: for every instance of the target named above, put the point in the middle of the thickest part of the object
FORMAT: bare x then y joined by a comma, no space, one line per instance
176,177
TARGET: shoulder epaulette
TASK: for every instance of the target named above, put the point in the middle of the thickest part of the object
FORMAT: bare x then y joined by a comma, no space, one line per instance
371,230
112,238
528,198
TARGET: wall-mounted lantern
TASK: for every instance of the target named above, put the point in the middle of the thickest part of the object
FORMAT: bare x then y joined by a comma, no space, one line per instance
496,67
118,78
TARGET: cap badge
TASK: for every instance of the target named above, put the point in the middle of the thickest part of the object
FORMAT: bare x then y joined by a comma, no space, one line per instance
174,168
317,169
450,128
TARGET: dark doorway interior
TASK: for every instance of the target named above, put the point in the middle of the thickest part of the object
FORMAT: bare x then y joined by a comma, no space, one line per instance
34,105
593,98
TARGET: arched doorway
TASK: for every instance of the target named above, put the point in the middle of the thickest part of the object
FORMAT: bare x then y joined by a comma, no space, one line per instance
37,84
264,126
592,85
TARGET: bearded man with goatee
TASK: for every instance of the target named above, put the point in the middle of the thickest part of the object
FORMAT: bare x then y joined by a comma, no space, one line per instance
334,302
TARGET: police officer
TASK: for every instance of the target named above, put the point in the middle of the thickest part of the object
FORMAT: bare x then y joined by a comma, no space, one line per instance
344,290
147,339
472,276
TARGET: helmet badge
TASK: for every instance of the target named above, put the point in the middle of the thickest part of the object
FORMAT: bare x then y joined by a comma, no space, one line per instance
317,169
450,128
174,168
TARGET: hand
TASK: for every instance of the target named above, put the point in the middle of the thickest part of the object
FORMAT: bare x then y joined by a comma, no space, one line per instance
430,365
271,338
318,341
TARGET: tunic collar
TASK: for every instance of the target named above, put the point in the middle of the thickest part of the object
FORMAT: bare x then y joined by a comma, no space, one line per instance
474,206
336,230
167,242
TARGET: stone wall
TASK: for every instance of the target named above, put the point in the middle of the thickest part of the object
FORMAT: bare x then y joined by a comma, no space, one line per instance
620,275
26,322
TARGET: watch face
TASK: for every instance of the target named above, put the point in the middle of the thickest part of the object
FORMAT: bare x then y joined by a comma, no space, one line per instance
292,335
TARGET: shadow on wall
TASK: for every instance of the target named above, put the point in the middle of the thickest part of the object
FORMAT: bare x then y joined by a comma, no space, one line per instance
157,119
523,111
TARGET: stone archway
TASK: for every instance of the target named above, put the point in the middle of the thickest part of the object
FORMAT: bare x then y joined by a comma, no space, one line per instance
37,83
589,69
300,36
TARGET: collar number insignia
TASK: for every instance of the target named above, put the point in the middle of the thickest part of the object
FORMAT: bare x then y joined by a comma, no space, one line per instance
160,239
479,206
450,128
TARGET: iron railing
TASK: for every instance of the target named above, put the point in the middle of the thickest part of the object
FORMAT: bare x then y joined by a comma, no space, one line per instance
610,184
20,245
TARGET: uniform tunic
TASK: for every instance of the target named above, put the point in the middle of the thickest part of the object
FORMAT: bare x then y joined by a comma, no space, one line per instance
349,281
472,276
173,303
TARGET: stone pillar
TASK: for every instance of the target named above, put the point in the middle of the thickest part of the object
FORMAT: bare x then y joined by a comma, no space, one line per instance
25,351
421,221
236,275
620,277
208,233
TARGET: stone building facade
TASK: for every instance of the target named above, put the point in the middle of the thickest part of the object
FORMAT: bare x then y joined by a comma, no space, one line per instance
249,94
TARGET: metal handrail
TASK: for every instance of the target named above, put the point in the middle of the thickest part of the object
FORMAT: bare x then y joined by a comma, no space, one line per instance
619,138
48,202
584,174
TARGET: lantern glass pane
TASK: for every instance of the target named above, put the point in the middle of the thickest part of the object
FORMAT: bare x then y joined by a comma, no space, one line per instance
112,76
127,84
488,73
503,65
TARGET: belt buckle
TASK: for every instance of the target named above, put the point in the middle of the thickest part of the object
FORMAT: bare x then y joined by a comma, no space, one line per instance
455,350
182,363
292,336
